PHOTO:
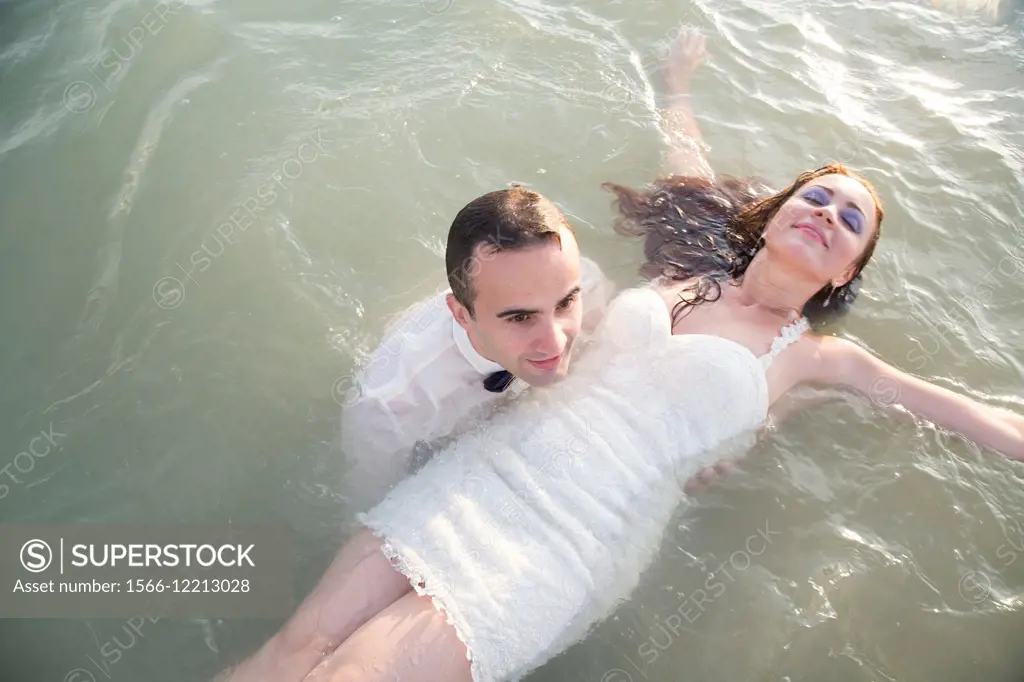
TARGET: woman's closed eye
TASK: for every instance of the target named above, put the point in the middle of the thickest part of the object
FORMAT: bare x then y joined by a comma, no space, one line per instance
851,217
817,196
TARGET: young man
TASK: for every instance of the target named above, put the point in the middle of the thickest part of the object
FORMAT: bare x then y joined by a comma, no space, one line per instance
519,296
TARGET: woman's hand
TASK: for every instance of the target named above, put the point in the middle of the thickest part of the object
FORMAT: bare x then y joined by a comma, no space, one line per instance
678,122
1015,426
684,57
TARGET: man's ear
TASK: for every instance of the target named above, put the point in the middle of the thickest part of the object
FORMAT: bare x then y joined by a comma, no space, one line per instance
459,311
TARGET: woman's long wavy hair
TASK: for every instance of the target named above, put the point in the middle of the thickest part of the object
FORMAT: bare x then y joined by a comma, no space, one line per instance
710,231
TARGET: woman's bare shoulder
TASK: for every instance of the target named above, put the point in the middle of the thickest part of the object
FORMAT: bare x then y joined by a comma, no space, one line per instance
672,291
818,359
798,366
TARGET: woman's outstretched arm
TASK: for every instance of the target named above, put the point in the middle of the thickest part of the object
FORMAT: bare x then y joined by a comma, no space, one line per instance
840,362
678,123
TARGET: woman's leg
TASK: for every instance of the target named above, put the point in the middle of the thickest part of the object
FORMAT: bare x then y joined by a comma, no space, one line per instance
359,584
410,641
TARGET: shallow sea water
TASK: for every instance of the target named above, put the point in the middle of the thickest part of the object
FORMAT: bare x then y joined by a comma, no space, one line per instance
194,373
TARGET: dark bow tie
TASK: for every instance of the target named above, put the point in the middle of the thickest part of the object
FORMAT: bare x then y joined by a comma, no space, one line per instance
498,381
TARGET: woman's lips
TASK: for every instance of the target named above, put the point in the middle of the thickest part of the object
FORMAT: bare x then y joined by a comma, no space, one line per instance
548,364
813,231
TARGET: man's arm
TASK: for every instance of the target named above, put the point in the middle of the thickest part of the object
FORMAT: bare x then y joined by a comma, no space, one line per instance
389,411
378,447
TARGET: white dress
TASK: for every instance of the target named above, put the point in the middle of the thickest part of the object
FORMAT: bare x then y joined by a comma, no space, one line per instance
531,528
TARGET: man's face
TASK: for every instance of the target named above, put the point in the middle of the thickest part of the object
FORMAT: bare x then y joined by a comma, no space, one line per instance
527,308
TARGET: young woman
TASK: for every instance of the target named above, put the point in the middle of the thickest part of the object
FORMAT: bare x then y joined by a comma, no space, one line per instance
690,227
512,542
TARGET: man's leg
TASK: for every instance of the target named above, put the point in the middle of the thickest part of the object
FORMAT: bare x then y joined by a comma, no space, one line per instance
359,584
410,641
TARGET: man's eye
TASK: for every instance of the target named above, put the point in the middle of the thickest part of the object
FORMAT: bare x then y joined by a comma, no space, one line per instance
567,303
519,319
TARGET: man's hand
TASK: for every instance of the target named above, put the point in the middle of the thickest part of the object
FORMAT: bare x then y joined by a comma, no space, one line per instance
708,477
684,57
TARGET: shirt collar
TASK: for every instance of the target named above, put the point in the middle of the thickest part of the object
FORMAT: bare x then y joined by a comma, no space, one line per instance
465,346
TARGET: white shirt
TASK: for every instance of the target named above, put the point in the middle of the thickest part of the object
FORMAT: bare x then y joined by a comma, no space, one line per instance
424,383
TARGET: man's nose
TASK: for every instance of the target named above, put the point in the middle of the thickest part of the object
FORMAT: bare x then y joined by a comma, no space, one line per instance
553,339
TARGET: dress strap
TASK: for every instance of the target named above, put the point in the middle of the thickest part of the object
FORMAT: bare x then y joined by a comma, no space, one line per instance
790,333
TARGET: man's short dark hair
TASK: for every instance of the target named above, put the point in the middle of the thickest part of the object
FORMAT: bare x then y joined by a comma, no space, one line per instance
503,220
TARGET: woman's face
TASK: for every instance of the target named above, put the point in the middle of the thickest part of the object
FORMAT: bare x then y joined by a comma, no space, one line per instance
824,227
